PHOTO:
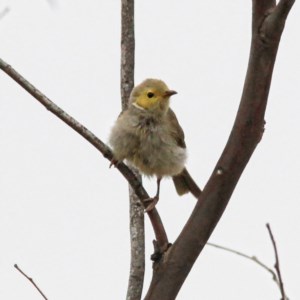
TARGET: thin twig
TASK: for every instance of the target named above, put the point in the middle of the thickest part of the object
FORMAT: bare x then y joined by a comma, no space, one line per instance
252,258
31,280
276,275
276,266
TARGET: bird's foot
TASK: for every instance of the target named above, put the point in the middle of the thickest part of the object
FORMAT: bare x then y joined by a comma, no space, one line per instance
114,163
153,201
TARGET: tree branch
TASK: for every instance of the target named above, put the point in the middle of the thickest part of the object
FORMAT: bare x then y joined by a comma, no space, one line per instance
276,266
137,244
252,258
31,280
133,180
171,271
127,51
136,211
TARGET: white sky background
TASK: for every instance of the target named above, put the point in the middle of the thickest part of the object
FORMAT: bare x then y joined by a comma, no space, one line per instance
64,213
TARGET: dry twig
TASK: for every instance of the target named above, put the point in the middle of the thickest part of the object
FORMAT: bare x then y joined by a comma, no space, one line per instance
31,280
251,258
276,266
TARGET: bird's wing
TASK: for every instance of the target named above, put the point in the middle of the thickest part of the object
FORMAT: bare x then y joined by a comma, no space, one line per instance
175,129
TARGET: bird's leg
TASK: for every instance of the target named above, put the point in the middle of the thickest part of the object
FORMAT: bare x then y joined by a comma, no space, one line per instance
155,199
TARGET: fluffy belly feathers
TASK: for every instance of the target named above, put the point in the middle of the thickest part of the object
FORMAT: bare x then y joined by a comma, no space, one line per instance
149,146
158,155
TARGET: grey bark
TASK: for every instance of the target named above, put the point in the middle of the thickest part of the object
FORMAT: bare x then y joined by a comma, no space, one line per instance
137,233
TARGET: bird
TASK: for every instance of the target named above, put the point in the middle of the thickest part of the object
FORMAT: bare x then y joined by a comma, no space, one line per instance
148,135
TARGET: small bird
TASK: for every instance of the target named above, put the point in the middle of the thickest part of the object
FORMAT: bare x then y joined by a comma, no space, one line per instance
148,135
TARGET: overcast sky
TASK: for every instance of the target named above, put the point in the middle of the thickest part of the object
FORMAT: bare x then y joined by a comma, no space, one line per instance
64,213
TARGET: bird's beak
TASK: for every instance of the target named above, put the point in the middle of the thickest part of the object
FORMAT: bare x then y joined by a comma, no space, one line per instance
169,93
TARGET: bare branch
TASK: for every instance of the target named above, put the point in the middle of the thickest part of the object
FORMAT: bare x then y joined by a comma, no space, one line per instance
283,8
171,271
252,258
137,228
31,280
127,51
137,244
276,266
133,180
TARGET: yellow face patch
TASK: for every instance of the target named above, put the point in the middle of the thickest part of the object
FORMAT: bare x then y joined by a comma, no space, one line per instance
149,99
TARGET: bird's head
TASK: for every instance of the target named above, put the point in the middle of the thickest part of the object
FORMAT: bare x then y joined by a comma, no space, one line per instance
152,95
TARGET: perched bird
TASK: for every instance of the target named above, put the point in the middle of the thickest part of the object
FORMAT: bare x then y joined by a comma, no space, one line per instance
148,135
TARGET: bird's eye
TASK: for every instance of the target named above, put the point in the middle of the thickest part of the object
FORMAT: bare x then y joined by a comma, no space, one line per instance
150,95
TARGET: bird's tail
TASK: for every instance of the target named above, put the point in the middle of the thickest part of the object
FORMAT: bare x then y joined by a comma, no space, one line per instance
184,183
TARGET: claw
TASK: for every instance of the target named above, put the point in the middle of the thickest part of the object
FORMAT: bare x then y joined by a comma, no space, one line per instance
153,201
113,162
